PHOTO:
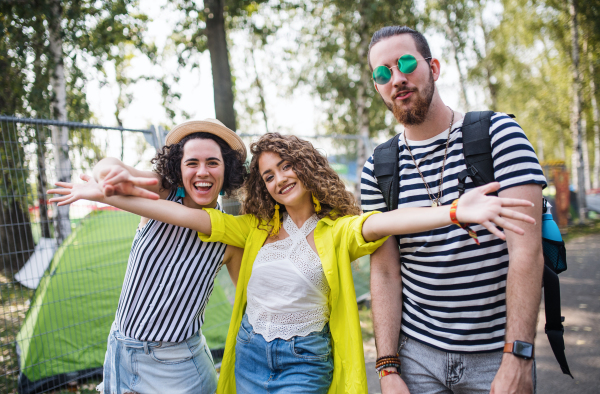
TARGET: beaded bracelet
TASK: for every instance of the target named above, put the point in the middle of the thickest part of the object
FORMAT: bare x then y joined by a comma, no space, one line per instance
388,365
465,226
386,360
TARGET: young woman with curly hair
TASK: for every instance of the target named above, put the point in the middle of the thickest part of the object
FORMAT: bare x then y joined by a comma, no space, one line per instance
295,326
156,343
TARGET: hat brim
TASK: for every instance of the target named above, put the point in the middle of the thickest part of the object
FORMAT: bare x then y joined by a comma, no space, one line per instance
181,131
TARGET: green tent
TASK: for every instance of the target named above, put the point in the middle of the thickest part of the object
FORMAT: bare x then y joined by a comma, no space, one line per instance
63,337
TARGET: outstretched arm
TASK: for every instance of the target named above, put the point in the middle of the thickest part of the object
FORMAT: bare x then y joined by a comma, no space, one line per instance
117,178
474,207
161,210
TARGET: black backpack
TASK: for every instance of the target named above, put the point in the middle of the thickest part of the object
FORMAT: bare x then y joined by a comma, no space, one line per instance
477,149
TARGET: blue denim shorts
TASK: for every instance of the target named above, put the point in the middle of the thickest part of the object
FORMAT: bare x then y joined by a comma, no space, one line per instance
298,365
133,366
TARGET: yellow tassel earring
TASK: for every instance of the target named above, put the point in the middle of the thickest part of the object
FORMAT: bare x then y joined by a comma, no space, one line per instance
316,203
276,221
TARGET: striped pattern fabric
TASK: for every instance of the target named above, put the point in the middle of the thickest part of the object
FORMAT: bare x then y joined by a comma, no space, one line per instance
453,290
170,276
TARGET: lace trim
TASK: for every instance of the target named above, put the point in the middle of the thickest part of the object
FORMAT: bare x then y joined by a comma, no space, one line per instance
287,325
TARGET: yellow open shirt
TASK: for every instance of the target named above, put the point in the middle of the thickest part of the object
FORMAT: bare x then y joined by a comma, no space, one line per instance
338,242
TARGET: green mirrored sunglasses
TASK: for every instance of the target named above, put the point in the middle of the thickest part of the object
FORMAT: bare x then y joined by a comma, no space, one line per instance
406,64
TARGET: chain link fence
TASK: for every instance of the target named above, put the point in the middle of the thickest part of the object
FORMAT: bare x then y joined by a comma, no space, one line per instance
61,269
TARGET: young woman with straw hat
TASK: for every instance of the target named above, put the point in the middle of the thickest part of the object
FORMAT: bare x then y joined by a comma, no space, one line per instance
156,343
295,326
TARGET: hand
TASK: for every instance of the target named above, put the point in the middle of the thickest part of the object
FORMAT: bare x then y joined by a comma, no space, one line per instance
80,191
476,207
513,376
118,181
393,384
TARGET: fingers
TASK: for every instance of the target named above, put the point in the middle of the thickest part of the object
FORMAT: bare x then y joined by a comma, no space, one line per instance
139,192
64,184
60,199
140,181
109,190
493,229
489,187
509,213
59,191
506,225
85,177
515,202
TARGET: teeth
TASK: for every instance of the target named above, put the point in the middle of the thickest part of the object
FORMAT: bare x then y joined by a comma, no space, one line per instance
203,184
287,188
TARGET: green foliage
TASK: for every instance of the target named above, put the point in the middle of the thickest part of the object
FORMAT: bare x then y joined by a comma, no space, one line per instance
330,39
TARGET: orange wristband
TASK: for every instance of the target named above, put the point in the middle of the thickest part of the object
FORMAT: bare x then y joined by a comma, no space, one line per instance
454,220
385,372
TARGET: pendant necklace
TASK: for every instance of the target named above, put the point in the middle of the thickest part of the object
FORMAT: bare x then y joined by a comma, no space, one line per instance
434,202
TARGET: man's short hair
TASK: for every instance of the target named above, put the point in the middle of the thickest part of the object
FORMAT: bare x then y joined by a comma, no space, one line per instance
391,31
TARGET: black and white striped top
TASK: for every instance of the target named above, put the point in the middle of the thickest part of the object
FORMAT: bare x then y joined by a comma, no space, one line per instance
170,275
453,290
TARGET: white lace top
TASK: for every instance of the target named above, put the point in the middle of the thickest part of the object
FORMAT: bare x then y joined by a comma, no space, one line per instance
288,291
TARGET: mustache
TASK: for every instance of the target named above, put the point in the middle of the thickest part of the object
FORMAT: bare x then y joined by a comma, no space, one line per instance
405,90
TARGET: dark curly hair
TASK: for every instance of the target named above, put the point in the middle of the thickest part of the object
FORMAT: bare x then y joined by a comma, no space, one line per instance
167,163
312,169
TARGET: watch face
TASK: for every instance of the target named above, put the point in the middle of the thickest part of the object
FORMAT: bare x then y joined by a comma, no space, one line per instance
523,349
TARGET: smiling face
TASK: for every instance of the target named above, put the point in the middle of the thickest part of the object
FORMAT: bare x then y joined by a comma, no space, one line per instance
281,181
202,173
408,96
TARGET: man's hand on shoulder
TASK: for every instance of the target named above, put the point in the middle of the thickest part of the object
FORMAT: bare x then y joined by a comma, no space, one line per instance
393,384
514,376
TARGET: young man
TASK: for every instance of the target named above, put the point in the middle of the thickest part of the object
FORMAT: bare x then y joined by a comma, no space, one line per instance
447,305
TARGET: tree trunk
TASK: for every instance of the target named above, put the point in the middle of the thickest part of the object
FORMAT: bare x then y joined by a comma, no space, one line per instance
261,93
540,145
219,58
483,59
576,116
596,119
586,156
42,182
39,105
362,111
60,134
456,49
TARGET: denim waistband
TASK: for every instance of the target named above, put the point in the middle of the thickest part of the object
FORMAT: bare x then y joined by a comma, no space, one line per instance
138,344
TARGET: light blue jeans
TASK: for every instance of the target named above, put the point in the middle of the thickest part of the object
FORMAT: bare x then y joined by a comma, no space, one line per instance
298,365
133,366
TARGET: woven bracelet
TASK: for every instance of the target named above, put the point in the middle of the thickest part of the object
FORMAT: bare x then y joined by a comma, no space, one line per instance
465,226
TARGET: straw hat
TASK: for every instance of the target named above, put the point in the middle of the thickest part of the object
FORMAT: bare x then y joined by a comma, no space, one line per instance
208,125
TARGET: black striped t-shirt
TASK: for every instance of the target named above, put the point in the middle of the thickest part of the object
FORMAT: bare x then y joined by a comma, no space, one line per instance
453,290
170,275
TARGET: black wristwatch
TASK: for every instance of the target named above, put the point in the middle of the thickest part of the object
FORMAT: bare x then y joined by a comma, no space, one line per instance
519,349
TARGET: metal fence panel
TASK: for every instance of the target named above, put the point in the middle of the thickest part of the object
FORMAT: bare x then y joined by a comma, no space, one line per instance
61,270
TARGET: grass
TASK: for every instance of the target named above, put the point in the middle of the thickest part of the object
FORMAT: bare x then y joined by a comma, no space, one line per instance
580,230
14,304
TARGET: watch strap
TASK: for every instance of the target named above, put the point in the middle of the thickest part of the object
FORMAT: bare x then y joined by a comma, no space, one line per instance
509,346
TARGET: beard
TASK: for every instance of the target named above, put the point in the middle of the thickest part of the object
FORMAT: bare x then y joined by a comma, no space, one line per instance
418,111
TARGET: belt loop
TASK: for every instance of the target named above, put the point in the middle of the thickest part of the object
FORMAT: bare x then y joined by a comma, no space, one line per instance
146,347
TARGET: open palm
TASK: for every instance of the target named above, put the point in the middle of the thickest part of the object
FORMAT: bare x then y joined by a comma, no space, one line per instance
71,192
476,207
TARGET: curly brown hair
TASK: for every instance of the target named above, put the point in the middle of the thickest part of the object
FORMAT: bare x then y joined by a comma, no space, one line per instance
311,167
167,163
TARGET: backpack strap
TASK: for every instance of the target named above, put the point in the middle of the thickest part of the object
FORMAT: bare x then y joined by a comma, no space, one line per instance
554,327
385,169
477,149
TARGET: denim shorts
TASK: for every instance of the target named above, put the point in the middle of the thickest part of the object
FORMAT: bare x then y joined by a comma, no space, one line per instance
133,366
298,365
427,370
